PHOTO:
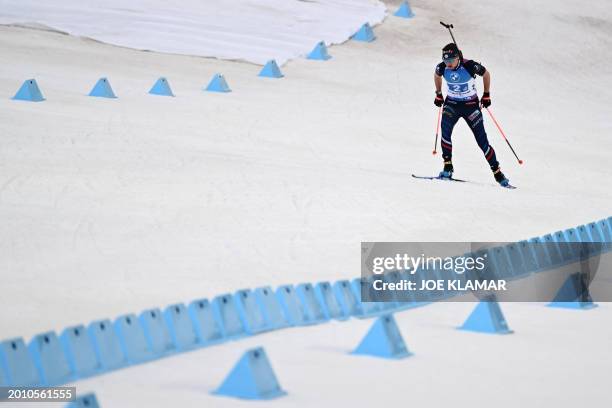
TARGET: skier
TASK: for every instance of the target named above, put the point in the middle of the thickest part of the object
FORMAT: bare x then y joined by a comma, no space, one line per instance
462,102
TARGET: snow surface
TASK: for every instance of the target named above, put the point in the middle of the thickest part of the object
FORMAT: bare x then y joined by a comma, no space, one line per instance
114,206
249,30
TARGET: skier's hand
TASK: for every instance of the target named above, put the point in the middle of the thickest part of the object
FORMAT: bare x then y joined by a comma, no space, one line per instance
485,101
439,99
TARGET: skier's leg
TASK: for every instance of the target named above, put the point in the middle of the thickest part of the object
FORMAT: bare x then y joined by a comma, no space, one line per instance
475,120
450,116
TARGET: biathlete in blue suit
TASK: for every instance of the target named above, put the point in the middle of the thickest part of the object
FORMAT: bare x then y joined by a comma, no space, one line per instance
462,102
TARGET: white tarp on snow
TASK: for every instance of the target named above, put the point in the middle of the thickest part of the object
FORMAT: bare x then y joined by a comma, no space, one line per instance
251,30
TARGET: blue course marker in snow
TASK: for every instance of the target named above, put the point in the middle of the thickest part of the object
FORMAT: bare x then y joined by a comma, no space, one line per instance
319,52
102,89
80,351
218,84
226,312
487,317
205,323
251,378
161,87
327,298
364,34
29,91
18,364
271,70
132,339
271,308
49,359
157,332
310,302
107,345
404,11
181,327
84,401
250,311
574,293
383,340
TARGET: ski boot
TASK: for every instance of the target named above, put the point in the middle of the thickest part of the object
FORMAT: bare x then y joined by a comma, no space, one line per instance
499,177
447,172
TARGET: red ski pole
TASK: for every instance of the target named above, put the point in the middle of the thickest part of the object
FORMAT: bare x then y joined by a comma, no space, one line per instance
437,129
504,136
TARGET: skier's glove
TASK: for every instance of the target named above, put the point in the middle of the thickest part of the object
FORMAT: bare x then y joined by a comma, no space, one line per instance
439,99
486,100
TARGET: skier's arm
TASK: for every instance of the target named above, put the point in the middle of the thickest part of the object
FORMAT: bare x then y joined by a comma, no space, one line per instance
486,81
438,82
476,68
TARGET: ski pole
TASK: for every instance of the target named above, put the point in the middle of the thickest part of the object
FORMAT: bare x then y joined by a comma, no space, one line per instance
504,136
449,26
437,129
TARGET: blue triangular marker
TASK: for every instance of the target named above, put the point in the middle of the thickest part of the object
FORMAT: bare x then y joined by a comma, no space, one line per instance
80,351
18,364
365,33
218,84
383,340
293,309
319,52
404,11
161,87
311,304
181,327
227,314
331,305
85,401
487,317
251,378
350,305
204,322
271,70
50,359
272,309
102,89
157,332
29,91
106,345
250,312
574,294
132,339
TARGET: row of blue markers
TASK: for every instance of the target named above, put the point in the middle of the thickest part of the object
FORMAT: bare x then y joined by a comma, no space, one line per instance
103,345
30,91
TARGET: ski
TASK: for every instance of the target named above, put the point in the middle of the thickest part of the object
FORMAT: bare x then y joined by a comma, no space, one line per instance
509,186
439,178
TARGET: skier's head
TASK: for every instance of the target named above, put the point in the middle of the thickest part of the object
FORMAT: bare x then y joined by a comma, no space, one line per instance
451,55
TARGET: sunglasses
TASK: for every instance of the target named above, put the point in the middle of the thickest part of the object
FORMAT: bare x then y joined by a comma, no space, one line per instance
448,61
